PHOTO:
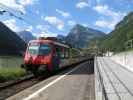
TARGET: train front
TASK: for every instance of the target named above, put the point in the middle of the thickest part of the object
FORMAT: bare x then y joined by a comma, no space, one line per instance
37,57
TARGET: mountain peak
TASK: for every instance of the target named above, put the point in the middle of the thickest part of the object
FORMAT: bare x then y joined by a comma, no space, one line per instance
26,36
79,36
79,26
77,29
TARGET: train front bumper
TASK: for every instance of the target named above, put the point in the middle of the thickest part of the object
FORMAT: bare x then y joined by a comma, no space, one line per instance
30,67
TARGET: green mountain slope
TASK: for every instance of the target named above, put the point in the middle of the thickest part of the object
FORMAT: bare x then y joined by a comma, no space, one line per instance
115,41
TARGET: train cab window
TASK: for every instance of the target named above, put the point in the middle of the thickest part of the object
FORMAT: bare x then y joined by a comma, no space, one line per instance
33,49
44,49
39,49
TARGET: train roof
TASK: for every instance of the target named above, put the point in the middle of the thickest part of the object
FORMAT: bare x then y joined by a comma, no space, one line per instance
50,41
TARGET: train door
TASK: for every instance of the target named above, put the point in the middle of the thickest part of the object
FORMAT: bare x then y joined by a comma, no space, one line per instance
65,61
56,58
61,55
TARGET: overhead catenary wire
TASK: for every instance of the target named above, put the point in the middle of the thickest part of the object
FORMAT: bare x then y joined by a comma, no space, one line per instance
13,12
19,14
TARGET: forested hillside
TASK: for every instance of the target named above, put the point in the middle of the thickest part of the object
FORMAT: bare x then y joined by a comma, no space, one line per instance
115,41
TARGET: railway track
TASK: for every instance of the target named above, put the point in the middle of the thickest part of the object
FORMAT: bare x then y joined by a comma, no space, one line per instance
12,88
15,87
7,84
111,73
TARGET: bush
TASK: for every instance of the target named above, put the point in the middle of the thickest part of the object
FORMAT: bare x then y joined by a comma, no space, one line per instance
11,73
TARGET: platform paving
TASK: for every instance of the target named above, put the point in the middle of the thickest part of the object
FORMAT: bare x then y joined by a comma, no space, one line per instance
78,84
117,80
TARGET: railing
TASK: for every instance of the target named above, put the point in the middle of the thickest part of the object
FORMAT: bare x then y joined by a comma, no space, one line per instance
103,94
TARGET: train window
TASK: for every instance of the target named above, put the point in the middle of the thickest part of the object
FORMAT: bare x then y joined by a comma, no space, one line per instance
44,49
57,52
39,49
66,53
33,49
60,52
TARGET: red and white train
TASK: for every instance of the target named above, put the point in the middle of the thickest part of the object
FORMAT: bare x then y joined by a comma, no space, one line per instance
47,54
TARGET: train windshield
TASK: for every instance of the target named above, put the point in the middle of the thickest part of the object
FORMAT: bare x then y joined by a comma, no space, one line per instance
39,49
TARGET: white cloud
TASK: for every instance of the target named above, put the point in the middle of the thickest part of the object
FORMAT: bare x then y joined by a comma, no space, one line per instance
82,4
20,5
64,14
27,2
29,28
111,17
71,23
44,31
37,12
59,24
44,34
104,9
11,23
42,17
85,25
99,1
13,4
42,27
104,24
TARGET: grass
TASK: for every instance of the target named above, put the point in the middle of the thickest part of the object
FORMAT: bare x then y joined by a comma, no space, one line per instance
11,73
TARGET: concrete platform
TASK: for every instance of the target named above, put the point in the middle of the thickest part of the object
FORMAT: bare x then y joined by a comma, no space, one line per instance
77,83
113,82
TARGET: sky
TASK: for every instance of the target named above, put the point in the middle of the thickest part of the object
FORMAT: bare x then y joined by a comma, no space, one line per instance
57,17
